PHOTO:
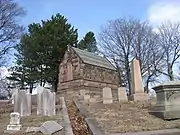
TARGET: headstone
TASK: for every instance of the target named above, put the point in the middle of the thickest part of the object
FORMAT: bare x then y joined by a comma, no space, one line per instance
22,103
14,124
14,91
53,103
137,88
107,95
46,103
40,89
29,104
17,103
168,101
34,99
50,127
122,94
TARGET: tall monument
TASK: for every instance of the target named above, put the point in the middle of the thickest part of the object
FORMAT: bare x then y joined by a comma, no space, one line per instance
137,89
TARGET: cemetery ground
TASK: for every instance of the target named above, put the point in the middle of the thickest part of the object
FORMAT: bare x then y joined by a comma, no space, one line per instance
126,117
27,121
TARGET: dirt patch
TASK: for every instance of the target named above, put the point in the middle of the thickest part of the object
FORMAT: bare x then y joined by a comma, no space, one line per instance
78,123
127,117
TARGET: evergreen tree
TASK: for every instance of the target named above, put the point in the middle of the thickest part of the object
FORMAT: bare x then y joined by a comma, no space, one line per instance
88,42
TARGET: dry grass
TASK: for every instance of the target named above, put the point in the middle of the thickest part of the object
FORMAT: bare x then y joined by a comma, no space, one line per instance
127,117
28,121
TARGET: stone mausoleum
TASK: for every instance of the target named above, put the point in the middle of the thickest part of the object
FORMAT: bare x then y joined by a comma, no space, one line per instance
80,69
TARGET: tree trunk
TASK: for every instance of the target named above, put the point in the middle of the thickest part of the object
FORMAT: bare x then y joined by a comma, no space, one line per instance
31,88
54,86
170,72
128,73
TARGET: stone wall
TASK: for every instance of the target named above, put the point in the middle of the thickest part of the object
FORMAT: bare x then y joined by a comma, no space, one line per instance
99,74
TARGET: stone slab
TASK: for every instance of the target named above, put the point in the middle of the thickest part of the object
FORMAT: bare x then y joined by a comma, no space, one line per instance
67,123
167,115
13,127
80,108
93,128
140,97
50,127
155,132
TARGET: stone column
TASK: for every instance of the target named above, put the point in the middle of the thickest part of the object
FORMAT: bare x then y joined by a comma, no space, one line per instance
137,88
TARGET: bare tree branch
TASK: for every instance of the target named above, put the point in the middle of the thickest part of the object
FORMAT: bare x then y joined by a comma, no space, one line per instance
10,28
170,43
125,38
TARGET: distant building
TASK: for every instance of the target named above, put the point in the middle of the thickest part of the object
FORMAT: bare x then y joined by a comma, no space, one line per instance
80,69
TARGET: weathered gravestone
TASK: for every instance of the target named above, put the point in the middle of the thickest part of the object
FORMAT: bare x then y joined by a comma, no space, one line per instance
122,94
46,103
107,95
168,100
22,103
14,124
50,127
13,92
137,88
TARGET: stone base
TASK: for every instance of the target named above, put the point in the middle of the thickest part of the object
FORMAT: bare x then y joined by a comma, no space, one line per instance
161,112
13,127
140,97
107,101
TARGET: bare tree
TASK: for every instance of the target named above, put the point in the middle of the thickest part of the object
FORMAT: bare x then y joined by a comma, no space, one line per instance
10,28
123,39
170,44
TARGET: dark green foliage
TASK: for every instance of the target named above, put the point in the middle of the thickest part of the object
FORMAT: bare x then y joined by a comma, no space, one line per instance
88,42
41,50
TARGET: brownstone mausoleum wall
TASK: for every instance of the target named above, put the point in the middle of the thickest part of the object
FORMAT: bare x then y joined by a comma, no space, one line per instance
76,75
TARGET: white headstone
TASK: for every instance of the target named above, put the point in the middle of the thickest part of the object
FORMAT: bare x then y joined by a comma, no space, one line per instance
22,103
40,89
14,124
107,95
29,104
46,103
122,94
13,92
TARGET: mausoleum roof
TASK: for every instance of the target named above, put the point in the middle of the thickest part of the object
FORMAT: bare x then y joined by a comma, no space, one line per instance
93,59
